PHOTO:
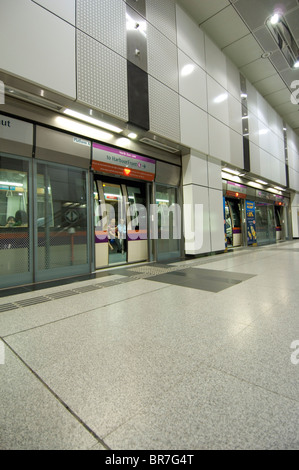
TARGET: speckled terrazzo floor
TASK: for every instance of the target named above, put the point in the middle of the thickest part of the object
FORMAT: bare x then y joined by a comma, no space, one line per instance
188,355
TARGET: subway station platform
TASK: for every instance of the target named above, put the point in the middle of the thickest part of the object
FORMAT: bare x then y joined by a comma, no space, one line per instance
189,355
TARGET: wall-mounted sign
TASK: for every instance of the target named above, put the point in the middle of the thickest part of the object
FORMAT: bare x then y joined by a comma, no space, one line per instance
15,130
78,140
235,194
236,190
251,224
122,163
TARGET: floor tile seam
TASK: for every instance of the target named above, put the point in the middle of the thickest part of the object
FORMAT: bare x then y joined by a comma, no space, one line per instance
241,379
195,366
82,313
199,365
60,400
75,291
253,325
144,408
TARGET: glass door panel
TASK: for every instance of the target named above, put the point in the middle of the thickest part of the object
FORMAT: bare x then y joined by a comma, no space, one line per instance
169,223
15,234
137,224
62,238
116,222
265,223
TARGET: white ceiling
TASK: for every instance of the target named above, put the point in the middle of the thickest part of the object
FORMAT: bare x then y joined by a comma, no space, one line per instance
238,28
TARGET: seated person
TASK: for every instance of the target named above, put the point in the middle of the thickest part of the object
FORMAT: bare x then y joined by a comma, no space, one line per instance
10,221
21,219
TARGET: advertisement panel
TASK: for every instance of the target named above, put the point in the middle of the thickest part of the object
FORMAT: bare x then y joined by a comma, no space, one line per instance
251,224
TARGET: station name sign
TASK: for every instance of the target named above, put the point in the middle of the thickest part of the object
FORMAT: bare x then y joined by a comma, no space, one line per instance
122,163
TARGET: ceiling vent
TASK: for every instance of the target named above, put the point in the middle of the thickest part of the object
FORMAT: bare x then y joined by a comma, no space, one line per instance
282,35
34,99
158,145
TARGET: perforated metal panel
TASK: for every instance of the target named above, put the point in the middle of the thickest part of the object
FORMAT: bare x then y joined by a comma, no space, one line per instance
162,58
104,21
136,39
102,77
164,110
162,15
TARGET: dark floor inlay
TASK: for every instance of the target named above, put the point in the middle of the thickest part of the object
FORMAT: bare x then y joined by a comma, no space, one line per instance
202,279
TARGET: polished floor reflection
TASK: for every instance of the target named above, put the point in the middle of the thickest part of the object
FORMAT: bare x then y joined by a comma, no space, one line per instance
193,354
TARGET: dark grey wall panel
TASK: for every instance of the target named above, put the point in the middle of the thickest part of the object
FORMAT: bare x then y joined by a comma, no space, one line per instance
138,96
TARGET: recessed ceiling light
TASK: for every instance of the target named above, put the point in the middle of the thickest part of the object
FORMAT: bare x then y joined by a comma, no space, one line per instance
261,182
95,122
233,172
275,18
132,135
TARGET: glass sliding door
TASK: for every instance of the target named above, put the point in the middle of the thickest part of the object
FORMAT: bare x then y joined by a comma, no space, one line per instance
169,223
120,222
265,223
116,223
15,230
62,221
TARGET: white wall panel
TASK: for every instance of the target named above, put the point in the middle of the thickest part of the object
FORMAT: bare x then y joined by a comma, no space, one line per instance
294,179
295,221
196,195
262,109
264,136
104,21
275,169
40,46
255,162
217,101
192,81
164,110
194,126
282,174
236,148
190,39
234,114
195,170
266,170
163,16
274,146
252,99
216,220
233,79
102,77
216,63
65,9
275,122
295,199
219,140
281,150
162,58
253,128
214,173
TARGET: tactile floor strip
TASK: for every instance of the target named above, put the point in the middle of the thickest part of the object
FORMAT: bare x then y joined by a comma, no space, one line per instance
65,293
141,272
